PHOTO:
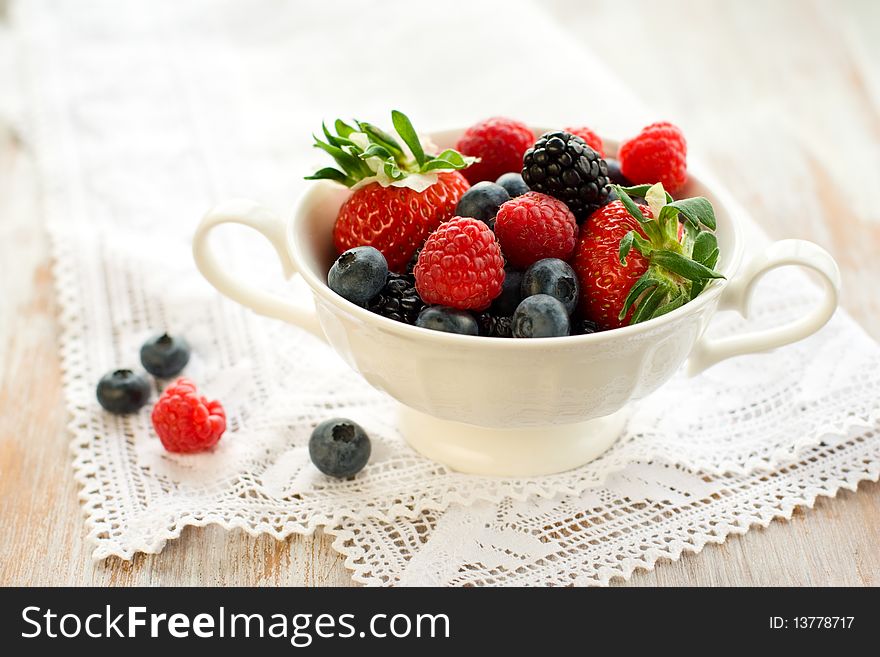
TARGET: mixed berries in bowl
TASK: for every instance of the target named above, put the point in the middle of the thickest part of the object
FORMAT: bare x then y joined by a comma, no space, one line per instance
512,234
513,289
520,316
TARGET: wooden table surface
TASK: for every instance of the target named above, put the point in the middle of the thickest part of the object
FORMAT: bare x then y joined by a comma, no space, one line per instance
780,97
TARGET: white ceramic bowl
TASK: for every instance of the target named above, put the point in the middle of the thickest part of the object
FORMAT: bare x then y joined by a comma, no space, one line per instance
511,406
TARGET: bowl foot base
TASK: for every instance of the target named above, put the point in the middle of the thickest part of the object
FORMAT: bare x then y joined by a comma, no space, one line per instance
516,452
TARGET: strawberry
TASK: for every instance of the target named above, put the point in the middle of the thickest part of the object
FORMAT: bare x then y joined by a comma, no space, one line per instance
604,281
396,220
400,193
637,262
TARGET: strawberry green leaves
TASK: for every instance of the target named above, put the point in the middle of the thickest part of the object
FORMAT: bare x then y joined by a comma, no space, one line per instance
365,153
696,210
678,267
642,191
329,173
626,244
342,128
651,228
705,251
406,131
644,284
629,204
683,266
632,238
448,159
379,137
656,197
351,166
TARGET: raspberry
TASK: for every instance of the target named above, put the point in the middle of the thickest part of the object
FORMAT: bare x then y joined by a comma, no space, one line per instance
593,140
499,143
535,226
186,422
657,154
460,266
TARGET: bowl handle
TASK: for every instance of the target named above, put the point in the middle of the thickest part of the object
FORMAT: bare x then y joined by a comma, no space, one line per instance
738,293
269,225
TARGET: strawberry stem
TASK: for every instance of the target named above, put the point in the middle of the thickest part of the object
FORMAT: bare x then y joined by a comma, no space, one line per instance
368,153
678,267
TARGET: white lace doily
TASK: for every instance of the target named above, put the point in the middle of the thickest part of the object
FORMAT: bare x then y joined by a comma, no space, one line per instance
641,514
145,118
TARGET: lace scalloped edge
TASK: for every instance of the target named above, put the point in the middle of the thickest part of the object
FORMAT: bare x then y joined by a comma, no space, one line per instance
332,525
354,555
409,510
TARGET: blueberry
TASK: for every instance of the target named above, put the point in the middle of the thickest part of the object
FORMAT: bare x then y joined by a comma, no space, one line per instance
540,316
339,447
450,320
482,202
358,274
554,277
513,183
123,391
164,356
506,302
614,173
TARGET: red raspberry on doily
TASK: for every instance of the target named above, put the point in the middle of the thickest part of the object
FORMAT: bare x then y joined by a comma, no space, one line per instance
185,421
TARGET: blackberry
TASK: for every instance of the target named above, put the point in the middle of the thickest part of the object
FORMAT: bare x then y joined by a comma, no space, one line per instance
411,265
564,166
581,326
398,299
495,326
